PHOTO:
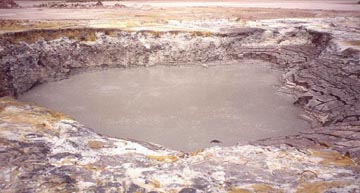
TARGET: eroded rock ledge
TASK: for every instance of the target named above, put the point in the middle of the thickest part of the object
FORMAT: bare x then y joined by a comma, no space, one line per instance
45,151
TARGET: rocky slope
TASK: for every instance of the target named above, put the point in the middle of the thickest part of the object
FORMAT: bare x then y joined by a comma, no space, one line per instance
46,151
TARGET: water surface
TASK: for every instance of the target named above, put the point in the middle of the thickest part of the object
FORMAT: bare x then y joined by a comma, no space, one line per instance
183,108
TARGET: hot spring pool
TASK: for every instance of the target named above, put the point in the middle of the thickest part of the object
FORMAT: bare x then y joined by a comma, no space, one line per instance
180,107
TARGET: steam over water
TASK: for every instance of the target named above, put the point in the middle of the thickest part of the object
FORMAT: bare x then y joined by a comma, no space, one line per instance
183,108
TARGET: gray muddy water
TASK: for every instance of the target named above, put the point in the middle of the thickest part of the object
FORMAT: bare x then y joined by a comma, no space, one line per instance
183,108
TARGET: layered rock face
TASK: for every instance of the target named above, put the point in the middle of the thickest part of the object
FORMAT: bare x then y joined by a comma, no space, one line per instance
47,151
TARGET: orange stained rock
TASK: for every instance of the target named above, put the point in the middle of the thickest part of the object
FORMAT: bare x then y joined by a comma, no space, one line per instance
156,183
195,153
238,190
166,158
353,43
264,188
36,118
319,187
330,157
258,188
94,168
95,144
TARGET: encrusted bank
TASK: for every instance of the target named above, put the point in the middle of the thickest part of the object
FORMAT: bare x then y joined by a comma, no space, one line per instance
46,151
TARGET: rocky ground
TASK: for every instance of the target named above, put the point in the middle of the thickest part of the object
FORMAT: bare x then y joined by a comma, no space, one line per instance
8,4
46,151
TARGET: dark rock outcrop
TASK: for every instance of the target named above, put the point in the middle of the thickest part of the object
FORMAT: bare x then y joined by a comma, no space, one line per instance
8,4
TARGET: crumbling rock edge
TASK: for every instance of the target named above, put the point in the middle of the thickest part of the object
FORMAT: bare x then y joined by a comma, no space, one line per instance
47,151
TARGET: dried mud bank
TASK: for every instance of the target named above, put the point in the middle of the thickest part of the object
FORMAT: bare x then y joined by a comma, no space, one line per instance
45,151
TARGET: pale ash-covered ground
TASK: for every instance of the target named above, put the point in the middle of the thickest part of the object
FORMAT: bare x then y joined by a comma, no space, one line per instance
160,15
344,5
46,151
